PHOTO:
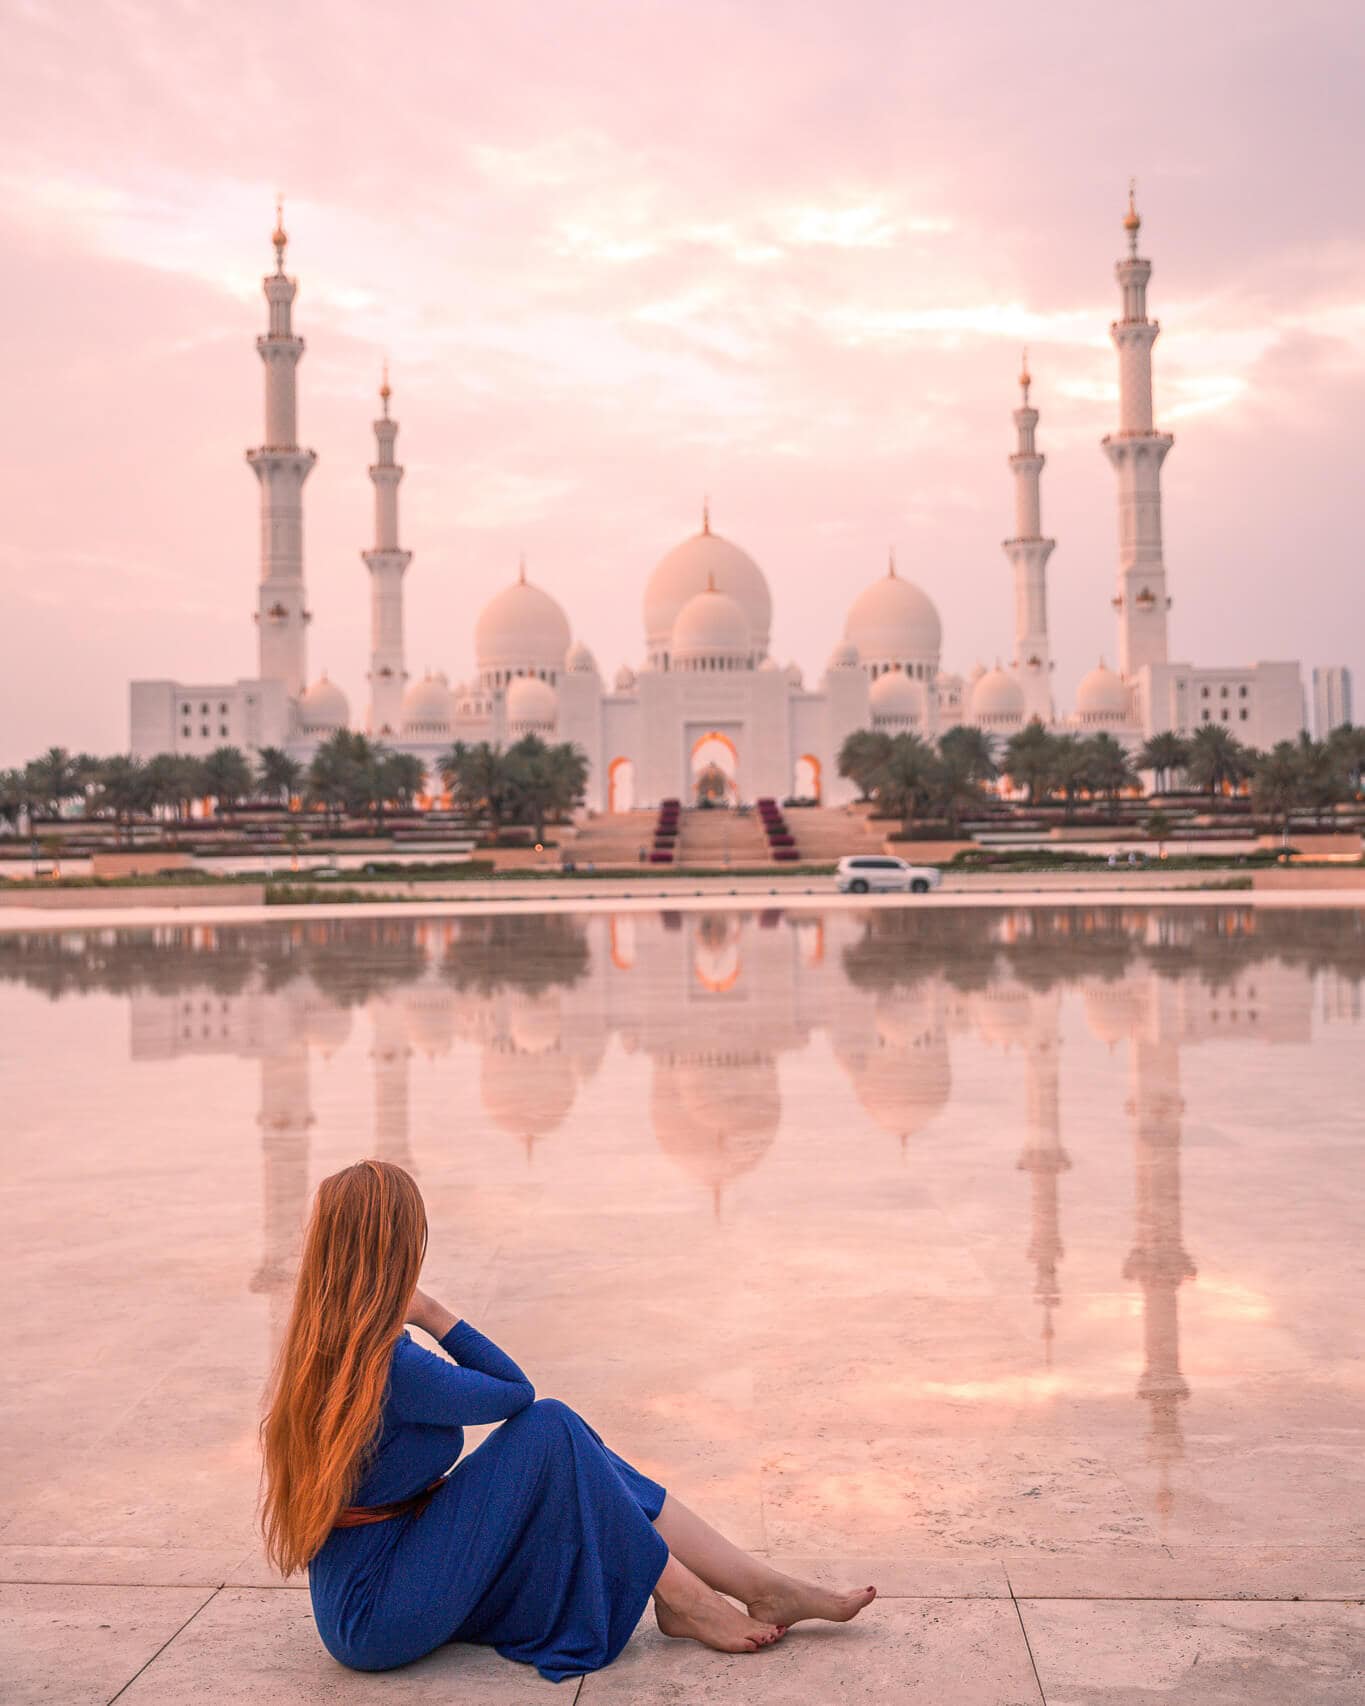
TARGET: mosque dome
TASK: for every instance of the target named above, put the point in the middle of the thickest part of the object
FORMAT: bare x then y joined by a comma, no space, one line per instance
522,627
770,663
625,678
526,1095
893,621
794,675
711,624
690,568
1101,696
323,709
904,1078
532,705
579,660
844,656
895,698
997,698
427,707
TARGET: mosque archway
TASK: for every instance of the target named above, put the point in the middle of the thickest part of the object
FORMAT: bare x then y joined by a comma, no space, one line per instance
621,785
714,774
806,778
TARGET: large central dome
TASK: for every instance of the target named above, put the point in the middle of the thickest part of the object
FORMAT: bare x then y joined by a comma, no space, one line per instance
893,623
703,561
522,628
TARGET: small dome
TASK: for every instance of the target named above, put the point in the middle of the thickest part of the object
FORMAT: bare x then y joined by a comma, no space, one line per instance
997,697
892,621
978,670
894,697
323,709
690,568
1102,696
794,675
625,678
770,663
844,656
712,624
521,628
532,705
579,660
427,706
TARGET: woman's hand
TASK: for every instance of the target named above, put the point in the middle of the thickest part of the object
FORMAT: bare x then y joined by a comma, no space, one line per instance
432,1317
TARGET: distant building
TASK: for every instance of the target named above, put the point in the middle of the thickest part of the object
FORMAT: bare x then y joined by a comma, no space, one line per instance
1331,698
708,696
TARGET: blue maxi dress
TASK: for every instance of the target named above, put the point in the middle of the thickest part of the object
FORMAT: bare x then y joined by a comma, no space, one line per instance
540,1544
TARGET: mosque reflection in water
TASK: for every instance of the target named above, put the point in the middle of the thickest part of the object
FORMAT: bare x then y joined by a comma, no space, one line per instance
713,1001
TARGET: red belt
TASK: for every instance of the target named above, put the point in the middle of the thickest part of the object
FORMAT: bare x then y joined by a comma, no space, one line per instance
355,1516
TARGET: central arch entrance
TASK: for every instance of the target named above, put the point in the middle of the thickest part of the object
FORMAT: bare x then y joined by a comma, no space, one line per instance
714,770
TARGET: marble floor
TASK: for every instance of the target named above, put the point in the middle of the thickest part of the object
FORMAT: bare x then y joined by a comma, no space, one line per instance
1007,1257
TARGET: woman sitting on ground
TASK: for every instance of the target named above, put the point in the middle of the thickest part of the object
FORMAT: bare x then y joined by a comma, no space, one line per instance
542,1543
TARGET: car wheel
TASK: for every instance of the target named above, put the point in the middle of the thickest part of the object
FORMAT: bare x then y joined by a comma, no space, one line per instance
919,886
857,887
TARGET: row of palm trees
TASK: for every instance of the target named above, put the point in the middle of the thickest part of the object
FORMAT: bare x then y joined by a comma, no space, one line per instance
910,777
348,776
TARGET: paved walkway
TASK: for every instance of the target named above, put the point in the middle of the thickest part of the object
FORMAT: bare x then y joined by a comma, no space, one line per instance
1283,1629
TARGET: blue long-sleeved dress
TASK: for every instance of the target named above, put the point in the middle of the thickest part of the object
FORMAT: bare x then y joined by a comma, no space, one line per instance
541,1542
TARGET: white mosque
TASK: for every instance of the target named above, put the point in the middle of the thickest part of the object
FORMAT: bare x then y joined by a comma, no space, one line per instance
708,694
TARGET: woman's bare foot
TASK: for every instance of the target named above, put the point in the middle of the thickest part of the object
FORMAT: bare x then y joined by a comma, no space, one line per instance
711,1619
789,1601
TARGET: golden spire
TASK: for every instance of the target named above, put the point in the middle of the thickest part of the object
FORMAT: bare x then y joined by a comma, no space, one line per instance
706,514
1132,223
891,562
521,571
1025,378
279,237
384,390
711,580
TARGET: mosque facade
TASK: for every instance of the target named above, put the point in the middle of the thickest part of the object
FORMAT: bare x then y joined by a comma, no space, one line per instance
708,696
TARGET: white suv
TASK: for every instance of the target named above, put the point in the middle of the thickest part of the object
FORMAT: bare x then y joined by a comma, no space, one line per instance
862,873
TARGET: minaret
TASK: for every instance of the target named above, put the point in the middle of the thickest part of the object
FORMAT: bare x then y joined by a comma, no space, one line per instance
386,564
1028,552
281,467
1044,1157
1137,452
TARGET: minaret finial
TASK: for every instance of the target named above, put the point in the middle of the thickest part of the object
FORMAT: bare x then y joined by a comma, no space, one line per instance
385,390
891,562
521,571
706,514
710,580
279,237
1025,378
1132,222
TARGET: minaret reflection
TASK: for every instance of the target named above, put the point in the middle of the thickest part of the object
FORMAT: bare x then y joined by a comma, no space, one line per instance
391,1052
1158,1261
1044,1159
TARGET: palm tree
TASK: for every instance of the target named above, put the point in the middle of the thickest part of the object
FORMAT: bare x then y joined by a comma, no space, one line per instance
955,788
167,783
1277,783
1029,759
123,791
478,781
905,783
404,776
1069,770
1323,775
14,797
1347,740
1108,768
545,780
278,776
861,756
972,749
1217,760
1164,754
330,778
52,779
227,776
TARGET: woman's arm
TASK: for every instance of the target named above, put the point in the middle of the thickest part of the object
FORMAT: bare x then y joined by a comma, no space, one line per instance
487,1386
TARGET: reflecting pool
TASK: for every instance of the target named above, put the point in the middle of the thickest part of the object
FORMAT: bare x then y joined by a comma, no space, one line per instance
881,1233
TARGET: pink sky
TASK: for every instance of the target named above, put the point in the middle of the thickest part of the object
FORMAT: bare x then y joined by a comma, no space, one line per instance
621,255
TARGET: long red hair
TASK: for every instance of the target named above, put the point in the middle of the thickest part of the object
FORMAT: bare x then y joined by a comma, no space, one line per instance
362,1254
